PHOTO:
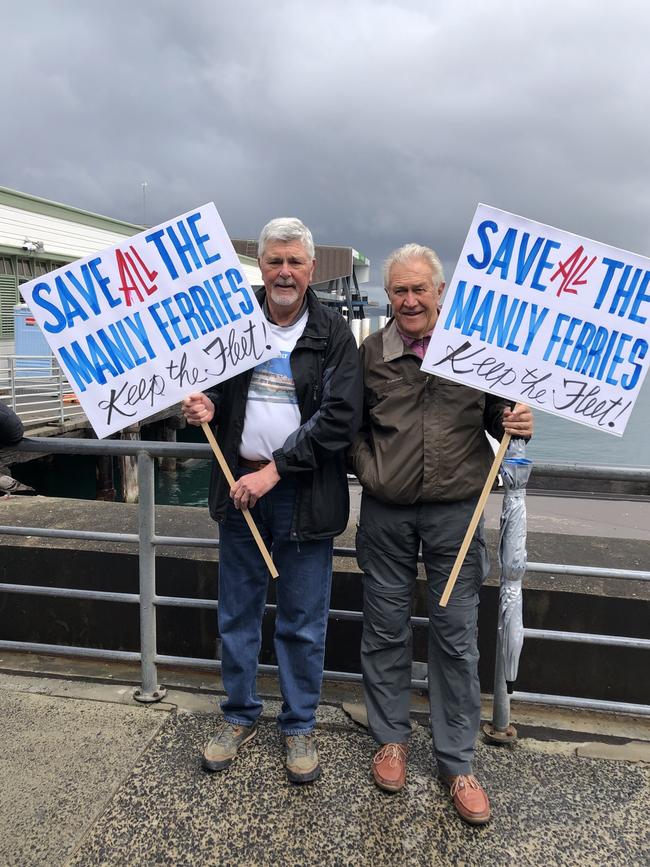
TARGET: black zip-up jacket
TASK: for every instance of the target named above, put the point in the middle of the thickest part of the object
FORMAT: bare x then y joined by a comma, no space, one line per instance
327,376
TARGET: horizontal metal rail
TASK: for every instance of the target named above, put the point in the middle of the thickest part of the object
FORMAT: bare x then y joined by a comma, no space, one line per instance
76,445
587,571
71,593
66,650
583,703
197,542
55,533
98,536
334,613
337,676
587,638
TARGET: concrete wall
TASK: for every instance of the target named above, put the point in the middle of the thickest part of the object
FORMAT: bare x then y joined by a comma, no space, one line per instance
547,667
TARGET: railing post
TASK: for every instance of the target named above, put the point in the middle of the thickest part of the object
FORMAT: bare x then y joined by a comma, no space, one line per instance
499,731
60,383
150,691
12,381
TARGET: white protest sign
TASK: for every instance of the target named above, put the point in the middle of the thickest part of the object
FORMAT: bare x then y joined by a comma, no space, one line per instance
140,325
546,318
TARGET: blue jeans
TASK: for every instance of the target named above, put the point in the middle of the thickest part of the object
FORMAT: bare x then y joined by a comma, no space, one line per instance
303,595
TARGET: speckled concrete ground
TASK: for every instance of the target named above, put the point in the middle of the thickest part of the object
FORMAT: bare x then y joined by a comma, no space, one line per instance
547,809
122,785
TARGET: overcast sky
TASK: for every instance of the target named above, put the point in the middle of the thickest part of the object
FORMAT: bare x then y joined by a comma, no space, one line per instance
377,123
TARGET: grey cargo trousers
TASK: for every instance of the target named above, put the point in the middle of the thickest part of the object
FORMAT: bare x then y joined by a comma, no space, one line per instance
388,542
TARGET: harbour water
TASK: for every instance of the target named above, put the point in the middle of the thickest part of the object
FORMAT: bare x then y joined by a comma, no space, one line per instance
557,440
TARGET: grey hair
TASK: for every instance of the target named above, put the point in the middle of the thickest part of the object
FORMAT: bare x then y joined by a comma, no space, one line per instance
286,229
415,251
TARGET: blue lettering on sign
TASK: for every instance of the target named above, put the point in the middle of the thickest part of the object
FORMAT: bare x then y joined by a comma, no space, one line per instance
544,264
201,239
86,368
102,281
157,238
37,297
184,248
502,259
503,255
163,325
627,291
199,310
462,311
208,306
482,230
639,350
112,349
72,294
237,285
224,295
595,351
524,260
501,324
189,248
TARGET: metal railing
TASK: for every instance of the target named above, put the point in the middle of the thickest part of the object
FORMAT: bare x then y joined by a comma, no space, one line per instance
148,600
36,388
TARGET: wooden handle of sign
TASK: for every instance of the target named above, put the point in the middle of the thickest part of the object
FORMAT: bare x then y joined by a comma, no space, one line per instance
231,481
478,511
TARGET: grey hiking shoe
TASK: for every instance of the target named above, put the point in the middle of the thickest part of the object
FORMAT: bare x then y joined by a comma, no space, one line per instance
302,758
224,746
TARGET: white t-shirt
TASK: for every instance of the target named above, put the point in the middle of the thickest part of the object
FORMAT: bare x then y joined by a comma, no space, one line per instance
272,410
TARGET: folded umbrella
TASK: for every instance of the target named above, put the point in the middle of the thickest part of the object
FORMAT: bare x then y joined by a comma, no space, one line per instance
515,471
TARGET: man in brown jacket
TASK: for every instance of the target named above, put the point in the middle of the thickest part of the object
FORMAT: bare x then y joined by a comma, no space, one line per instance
422,458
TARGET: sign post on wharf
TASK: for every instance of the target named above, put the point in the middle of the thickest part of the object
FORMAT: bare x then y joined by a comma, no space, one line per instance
547,318
139,325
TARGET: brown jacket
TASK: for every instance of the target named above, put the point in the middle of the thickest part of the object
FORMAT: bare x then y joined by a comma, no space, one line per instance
422,437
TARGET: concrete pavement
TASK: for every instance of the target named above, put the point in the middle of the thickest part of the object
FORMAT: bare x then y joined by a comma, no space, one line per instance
91,778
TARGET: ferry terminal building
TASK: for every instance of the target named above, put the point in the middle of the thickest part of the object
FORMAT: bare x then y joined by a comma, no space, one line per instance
38,236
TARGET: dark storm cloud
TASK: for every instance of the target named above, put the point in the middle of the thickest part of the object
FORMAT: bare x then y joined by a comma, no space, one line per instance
376,122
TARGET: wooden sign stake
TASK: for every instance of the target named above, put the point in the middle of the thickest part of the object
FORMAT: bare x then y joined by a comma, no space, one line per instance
231,481
478,511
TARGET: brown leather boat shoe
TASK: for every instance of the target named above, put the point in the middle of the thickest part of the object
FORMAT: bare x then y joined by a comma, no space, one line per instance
470,798
389,767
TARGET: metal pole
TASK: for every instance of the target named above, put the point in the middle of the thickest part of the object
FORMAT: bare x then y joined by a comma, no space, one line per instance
60,384
499,731
150,691
12,382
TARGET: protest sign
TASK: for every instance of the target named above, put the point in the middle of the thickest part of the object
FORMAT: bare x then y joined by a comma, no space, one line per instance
546,318
140,325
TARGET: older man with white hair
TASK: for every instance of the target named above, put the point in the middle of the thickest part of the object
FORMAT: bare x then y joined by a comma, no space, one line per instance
422,458
284,428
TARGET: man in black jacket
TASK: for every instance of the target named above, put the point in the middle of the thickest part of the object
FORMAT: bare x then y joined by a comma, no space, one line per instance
284,428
